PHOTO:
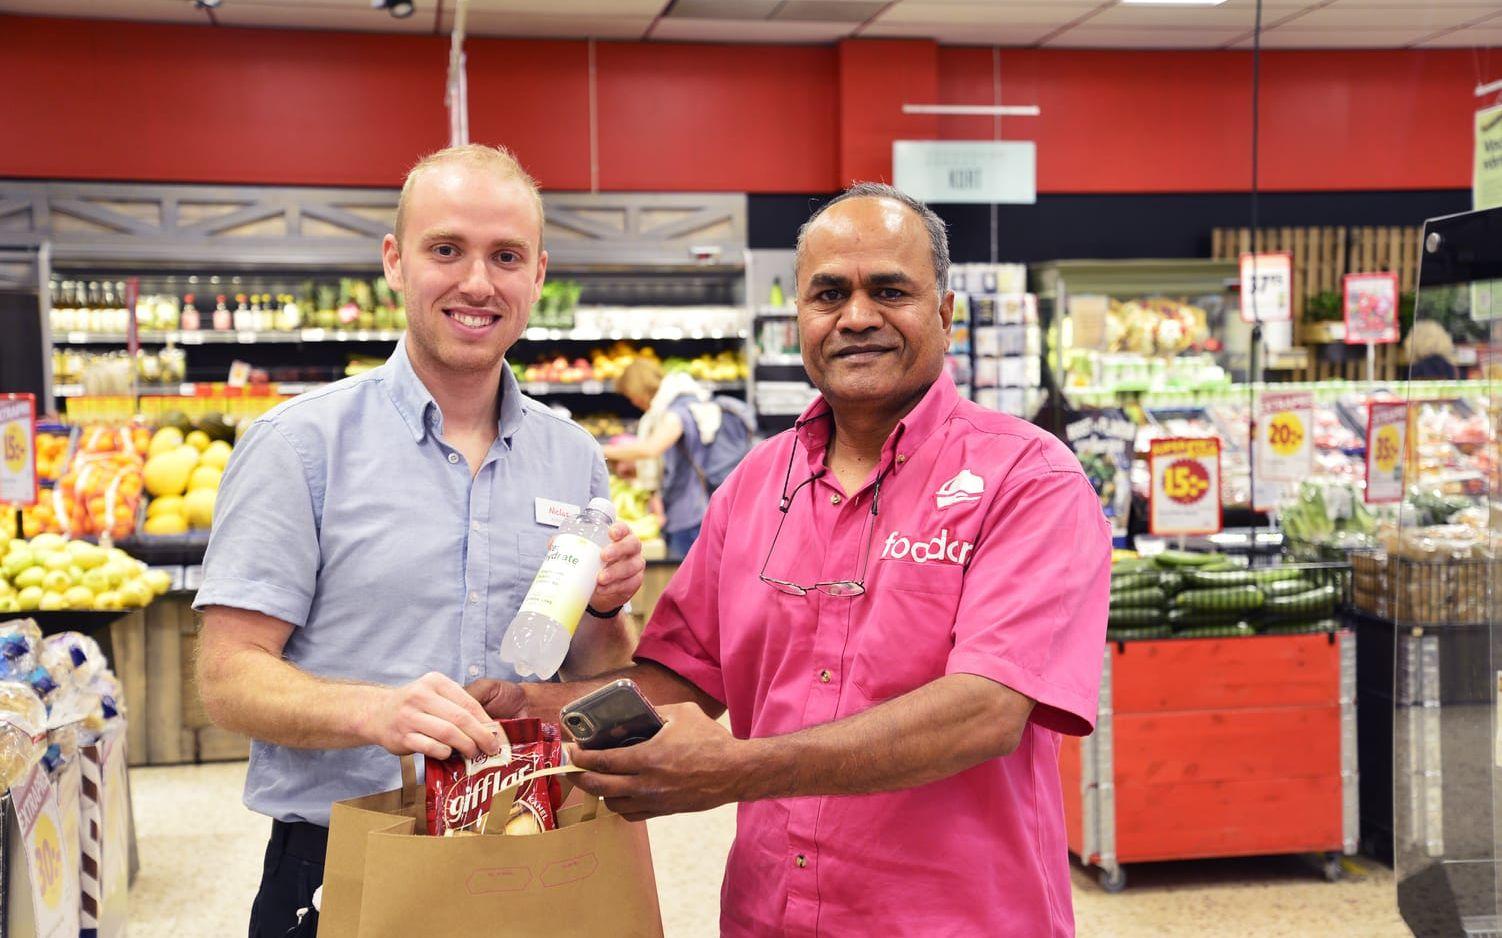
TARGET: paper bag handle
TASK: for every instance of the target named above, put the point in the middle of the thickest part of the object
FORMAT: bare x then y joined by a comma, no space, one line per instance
409,781
500,805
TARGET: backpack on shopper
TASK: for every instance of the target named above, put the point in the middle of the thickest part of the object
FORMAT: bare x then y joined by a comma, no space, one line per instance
714,444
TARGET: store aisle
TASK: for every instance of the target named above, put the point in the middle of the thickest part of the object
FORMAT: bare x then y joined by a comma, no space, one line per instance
201,858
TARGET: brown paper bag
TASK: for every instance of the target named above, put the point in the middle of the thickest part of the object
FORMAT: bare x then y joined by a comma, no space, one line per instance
385,878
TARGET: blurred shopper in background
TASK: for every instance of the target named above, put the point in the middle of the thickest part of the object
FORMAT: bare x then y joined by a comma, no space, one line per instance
1431,353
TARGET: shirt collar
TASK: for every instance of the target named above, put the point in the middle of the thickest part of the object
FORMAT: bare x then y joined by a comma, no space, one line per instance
414,402
912,431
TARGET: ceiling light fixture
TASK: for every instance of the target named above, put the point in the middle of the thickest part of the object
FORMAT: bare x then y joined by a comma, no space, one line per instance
400,9
207,4
974,110
1171,3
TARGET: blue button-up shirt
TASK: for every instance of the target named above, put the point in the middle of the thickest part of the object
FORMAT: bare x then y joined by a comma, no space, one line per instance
344,513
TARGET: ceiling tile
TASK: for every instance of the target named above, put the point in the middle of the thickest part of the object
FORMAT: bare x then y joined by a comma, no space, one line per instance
1097,37
828,11
1229,16
561,7
724,9
673,28
321,16
1476,37
1387,17
1290,38
533,26
994,14
157,11
960,35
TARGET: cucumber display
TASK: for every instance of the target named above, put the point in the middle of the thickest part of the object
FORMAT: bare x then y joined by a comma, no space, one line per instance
1144,596
1186,558
1301,628
1184,618
1201,578
1238,630
1311,604
1170,582
1221,599
1131,565
1135,615
1138,633
1286,587
1129,581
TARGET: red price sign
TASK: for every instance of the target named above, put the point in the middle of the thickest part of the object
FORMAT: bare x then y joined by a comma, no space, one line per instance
1185,496
1371,308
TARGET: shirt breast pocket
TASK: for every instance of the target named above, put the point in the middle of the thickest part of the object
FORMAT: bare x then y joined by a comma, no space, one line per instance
906,640
531,548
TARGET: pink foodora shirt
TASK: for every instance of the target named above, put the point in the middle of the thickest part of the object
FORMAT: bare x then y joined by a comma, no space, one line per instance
990,556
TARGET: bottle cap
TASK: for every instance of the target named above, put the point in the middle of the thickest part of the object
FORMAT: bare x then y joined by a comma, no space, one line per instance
604,506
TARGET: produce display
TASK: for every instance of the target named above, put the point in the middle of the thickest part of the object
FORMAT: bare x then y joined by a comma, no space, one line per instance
100,491
52,452
182,475
1180,594
633,505
50,572
607,364
1156,326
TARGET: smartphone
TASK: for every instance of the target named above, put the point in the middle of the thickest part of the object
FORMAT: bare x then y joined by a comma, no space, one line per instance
612,716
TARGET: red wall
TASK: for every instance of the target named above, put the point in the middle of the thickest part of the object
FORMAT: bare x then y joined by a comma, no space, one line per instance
151,102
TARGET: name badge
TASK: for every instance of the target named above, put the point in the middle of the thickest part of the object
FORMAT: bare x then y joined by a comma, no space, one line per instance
553,513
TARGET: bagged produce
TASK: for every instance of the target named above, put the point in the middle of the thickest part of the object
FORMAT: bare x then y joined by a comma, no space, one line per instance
23,731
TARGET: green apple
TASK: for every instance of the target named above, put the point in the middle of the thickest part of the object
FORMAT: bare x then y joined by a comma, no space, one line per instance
135,595
51,602
31,576
48,542
108,600
79,597
90,557
159,580
9,604
17,560
57,560
97,580
56,581
30,598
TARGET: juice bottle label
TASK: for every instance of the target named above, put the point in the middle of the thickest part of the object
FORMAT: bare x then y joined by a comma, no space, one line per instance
565,581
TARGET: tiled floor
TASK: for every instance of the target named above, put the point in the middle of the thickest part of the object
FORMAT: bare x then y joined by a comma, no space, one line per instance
201,856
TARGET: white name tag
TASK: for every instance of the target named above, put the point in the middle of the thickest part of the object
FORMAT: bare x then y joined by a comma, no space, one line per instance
553,513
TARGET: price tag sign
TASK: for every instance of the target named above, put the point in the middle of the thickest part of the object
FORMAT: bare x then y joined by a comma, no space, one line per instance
1386,443
18,450
1267,287
1185,497
1285,431
1371,308
36,809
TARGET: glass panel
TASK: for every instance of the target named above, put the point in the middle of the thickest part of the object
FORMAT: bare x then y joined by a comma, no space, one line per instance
1439,573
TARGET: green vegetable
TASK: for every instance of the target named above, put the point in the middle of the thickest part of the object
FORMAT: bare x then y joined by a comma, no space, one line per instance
1239,630
1134,615
1147,596
1302,628
1221,598
1185,558
1229,562
1170,582
1184,618
1137,634
1286,587
1202,578
1134,580
1310,604
1131,565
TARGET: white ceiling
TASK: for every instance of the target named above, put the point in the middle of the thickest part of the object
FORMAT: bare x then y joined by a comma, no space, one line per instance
1088,24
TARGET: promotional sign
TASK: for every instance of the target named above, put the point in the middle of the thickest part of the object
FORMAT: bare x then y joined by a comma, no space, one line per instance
1486,180
1185,497
1285,430
1103,443
1386,440
967,171
18,450
1371,308
51,914
1267,287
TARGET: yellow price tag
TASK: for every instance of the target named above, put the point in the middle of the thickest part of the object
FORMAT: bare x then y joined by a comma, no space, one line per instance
17,447
48,854
1285,433
1385,449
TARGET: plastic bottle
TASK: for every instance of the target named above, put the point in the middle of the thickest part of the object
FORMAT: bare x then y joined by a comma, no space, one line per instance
537,640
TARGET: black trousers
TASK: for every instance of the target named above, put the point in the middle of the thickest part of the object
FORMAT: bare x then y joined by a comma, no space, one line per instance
293,870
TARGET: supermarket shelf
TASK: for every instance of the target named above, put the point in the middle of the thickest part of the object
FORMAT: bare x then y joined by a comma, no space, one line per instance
250,337
780,361
533,388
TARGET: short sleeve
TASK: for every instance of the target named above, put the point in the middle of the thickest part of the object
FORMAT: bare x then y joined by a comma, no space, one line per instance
684,632
1032,612
599,476
263,549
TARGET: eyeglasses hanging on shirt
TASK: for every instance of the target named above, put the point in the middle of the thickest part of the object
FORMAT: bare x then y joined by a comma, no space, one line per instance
844,589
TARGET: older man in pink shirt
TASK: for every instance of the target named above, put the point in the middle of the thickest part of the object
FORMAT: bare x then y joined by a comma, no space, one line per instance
902,604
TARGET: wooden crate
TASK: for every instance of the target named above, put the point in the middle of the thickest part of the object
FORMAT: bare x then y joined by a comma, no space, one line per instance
1321,257
154,659
1191,756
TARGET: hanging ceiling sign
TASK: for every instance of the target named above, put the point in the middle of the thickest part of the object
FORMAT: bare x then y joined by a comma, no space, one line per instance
967,171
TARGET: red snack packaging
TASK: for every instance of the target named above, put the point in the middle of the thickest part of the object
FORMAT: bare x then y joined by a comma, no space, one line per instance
460,790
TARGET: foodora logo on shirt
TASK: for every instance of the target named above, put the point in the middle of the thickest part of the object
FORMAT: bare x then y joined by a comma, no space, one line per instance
938,550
